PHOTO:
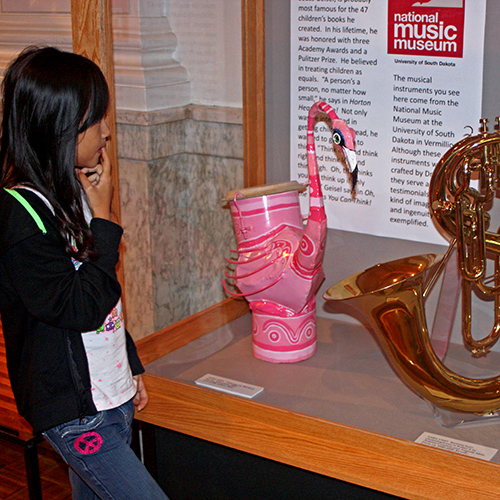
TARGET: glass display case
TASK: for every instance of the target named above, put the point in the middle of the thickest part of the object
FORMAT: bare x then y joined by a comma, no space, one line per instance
343,413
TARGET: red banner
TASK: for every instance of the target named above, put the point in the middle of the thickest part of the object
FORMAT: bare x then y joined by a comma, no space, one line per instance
420,30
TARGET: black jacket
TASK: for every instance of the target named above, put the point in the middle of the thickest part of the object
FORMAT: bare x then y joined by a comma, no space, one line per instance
45,303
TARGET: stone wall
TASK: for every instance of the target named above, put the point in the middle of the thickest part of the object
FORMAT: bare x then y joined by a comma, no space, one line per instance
174,171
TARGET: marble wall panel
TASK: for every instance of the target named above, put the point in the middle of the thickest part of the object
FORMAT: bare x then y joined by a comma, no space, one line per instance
210,228
168,187
192,232
161,140
136,247
214,139
173,177
151,141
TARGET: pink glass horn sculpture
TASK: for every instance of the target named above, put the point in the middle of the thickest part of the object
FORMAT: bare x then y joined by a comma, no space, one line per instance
279,265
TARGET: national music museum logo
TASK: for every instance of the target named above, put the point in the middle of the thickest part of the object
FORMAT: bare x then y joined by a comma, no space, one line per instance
426,28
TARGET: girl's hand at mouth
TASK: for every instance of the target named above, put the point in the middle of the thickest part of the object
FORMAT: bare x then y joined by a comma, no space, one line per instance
98,186
92,174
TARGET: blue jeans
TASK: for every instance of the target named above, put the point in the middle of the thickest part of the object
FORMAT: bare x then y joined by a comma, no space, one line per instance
102,464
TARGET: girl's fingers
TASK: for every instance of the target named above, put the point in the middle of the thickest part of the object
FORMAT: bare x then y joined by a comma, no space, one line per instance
94,174
98,188
105,163
94,178
83,179
90,172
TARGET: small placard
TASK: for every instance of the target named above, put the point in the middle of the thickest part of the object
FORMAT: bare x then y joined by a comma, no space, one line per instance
457,446
230,386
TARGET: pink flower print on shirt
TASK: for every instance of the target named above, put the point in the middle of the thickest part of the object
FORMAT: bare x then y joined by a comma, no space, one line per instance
112,323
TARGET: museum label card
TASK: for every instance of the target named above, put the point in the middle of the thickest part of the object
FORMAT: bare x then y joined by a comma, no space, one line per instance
457,446
230,386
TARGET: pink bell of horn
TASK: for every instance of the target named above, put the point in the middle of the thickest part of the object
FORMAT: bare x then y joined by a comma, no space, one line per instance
279,265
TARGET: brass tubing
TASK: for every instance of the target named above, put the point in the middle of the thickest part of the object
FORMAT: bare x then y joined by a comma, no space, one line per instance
391,295
394,308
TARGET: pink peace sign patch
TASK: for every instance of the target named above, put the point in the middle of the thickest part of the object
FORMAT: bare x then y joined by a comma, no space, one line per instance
88,443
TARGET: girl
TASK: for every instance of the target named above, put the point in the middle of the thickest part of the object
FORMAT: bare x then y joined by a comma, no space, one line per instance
73,367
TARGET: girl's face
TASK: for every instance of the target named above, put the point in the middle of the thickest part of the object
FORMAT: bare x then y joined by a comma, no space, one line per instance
90,143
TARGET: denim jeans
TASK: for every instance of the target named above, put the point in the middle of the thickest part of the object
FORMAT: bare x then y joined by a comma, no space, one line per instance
102,464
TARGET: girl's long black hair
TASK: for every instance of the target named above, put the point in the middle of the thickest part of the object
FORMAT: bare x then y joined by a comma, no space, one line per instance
49,97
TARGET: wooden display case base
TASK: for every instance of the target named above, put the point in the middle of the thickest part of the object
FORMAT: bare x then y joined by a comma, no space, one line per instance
369,459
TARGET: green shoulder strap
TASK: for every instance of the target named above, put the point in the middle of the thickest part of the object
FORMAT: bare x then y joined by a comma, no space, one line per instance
29,208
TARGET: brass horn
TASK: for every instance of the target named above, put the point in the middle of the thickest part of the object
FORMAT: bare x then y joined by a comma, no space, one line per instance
461,211
391,295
